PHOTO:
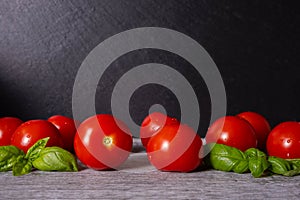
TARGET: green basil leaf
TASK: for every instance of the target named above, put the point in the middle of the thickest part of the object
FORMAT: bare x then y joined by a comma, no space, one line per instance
22,166
258,166
294,162
8,157
227,158
295,167
293,172
285,167
279,165
255,153
34,151
258,162
55,159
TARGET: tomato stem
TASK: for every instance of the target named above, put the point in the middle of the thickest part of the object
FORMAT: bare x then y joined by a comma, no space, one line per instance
107,141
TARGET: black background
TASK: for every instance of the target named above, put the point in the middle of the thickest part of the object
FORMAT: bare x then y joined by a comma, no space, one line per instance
255,45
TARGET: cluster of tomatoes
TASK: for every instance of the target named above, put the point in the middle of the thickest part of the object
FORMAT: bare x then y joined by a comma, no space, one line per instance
170,145
251,130
60,129
104,142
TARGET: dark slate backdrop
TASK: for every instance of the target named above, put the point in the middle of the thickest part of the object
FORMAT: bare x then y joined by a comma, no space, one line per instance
255,45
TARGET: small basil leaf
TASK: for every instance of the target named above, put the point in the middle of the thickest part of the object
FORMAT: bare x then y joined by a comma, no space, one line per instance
258,166
294,162
279,165
8,157
257,162
22,166
255,153
293,172
55,159
295,167
227,158
34,151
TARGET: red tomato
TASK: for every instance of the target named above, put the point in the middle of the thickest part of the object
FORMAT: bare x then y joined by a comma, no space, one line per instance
175,148
260,125
28,133
232,131
152,124
102,142
67,129
284,141
8,125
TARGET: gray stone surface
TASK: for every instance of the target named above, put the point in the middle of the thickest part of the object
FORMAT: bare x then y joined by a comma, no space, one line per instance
137,179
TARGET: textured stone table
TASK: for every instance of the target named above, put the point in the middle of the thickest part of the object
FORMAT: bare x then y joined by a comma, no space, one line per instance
138,179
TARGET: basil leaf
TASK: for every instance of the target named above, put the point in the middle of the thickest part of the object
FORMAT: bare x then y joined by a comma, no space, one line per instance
279,165
288,167
293,172
34,151
227,158
294,162
258,166
22,166
257,162
255,153
8,157
55,159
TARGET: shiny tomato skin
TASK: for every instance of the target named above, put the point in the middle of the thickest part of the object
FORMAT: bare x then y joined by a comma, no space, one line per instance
284,140
67,129
152,124
260,125
102,148
175,148
232,131
8,125
28,133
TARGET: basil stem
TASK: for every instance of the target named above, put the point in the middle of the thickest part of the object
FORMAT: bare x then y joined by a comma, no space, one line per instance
55,159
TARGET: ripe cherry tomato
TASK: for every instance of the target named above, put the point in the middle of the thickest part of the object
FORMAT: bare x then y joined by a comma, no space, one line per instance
175,148
232,131
260,125
152,124
8,125
102,142
284,141
67,129
28,133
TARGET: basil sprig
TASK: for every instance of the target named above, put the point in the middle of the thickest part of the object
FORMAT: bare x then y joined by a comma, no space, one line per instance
38,156
257,162
226,158
288,167
24,163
